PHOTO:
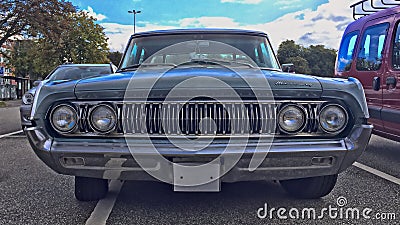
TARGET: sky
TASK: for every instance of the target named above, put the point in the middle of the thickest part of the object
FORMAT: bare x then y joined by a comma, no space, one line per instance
307,22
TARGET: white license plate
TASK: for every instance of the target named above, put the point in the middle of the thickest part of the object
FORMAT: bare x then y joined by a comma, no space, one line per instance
195,177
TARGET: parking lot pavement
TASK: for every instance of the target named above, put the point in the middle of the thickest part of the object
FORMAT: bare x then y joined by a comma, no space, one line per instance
12,103
30,193
382,154
238,203
9,120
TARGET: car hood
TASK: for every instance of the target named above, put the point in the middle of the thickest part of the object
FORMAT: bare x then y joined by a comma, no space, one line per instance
190,82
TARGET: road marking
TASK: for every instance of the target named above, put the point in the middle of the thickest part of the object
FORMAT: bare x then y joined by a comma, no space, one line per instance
9,134
377,173
104,206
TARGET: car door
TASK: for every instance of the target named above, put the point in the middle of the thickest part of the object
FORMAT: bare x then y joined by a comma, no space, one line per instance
370,65
391,85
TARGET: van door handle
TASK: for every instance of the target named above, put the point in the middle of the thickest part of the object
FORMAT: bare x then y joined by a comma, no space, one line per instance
391,81
376,83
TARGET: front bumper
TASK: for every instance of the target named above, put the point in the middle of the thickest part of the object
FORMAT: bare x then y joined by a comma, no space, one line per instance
111,159
25,114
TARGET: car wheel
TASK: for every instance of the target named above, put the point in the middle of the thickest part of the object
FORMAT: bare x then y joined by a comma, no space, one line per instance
90,189
311,187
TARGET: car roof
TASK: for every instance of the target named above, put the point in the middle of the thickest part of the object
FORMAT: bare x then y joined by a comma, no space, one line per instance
91,65
200,31
359,23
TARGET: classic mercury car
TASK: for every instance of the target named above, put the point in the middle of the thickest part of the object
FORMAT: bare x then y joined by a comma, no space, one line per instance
196,108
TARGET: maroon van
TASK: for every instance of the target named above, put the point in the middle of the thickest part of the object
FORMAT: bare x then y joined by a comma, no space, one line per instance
370,52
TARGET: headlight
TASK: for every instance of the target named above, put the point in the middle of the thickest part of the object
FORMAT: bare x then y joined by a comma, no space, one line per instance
27,99
103,118
64,118
291,118
333,118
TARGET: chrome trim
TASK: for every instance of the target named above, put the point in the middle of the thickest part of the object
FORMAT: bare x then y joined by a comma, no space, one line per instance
75,128
346,115
90,119
304,124
176,118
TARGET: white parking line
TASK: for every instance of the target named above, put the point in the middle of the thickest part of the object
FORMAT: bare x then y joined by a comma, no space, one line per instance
9,134
104,207
377,173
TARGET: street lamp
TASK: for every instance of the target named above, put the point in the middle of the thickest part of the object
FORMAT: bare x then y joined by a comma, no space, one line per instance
134,18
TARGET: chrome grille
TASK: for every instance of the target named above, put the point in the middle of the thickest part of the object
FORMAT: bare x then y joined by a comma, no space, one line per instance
206,118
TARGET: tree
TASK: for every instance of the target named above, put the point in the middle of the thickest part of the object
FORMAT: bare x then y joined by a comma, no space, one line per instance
288,49
300,65
85,41
315,60
115,57
321,60
82,41
33,18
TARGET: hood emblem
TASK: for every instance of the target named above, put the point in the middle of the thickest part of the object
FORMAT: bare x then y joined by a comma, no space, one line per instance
284,83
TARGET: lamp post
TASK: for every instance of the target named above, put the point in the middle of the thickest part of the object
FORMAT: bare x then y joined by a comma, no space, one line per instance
134,18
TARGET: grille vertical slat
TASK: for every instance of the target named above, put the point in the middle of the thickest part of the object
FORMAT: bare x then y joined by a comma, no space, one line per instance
226,118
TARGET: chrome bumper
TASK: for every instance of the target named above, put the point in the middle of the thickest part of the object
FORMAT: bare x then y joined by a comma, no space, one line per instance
25,113
285,159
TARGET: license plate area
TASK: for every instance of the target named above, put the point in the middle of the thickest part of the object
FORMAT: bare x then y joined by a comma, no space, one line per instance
197,177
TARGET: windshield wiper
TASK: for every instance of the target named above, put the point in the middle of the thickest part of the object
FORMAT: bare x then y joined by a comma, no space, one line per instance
271,69
135,66
216,62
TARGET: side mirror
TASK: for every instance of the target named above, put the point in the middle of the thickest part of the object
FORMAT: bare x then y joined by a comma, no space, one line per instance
36,83
288,67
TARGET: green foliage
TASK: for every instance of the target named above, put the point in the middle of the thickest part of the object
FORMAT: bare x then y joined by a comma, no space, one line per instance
33,18
82,41
115,57
300,64
288,49
315,60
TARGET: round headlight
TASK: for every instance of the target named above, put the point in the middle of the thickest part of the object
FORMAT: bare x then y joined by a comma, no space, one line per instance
333,118
27,99
291,118
64,118
103,118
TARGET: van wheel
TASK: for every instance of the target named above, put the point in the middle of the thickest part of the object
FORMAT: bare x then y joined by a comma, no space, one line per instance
90,189
311,187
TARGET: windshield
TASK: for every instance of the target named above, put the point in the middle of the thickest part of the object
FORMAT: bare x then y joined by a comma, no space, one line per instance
189,49
78,72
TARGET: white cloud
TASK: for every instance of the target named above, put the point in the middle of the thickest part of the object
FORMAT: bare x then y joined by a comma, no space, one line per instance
92,13
286,4
323,26
119,34
208,22
242,1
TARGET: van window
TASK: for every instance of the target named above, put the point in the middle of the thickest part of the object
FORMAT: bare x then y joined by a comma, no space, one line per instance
396,49
372,45
346,51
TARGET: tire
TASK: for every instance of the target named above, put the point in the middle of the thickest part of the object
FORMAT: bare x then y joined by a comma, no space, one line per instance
311,187
90,189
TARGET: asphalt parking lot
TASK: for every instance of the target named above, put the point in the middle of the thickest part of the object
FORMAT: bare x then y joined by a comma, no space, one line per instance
30,193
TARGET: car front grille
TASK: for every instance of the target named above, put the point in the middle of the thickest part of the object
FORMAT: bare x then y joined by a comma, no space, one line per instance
199,118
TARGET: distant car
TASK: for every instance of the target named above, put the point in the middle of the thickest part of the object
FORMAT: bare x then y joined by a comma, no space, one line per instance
62,73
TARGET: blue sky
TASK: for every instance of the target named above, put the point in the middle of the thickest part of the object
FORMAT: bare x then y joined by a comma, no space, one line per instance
305,21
